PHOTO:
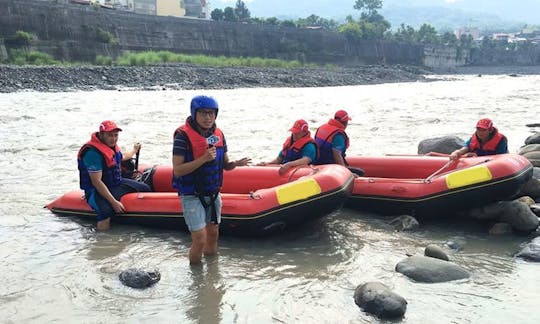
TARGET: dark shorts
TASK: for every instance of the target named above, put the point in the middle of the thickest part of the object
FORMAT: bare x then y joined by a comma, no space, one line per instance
102,207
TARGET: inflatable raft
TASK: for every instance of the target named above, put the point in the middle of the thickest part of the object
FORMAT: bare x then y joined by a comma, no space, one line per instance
430,186
256,200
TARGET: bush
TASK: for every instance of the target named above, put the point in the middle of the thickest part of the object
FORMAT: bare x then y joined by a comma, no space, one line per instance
104,60
23,37
20,57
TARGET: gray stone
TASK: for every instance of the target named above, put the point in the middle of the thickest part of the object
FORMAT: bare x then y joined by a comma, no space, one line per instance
445,145
435,251
377,299
535,208
531,251
500,229
536,173
519,216
533,139
533,157
529,148
405,223
531,189
488,212
426,269
137,278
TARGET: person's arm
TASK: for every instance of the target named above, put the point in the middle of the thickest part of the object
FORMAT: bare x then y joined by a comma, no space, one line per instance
129,155
93,162
102,189
502,148
229,165
180,167
277,160
338,147
458,153
309,152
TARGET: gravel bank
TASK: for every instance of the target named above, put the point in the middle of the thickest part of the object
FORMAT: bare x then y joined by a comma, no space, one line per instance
53,78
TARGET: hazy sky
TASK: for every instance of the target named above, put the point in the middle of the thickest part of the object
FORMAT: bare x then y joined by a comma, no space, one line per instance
517,10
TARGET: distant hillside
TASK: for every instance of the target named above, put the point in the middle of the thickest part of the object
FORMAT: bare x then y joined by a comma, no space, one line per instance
484,14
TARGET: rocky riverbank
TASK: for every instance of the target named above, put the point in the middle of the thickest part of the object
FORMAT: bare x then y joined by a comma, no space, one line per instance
60,78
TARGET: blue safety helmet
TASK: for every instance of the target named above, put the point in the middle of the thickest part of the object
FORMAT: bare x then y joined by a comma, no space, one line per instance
203,102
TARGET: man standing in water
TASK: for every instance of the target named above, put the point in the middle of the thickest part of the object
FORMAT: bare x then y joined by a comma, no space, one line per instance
332,139
486,140
199,158
100,175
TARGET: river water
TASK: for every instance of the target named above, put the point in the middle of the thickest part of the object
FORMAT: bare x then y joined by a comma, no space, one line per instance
60,270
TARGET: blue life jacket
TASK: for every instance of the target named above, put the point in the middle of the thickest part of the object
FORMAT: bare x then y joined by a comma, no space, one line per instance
207,179
111,172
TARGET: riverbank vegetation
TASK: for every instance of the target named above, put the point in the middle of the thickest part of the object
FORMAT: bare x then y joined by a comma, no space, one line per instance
371,25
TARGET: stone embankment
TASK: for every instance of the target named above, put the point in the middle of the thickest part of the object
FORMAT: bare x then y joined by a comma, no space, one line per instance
181,76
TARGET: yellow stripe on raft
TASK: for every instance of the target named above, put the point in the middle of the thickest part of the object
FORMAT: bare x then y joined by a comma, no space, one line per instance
468,176
297,190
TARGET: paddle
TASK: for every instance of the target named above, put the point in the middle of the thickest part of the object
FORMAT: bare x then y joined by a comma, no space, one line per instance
428,179
137,159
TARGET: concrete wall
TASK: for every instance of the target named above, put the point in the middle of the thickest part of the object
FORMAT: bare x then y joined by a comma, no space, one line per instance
443,58
71,32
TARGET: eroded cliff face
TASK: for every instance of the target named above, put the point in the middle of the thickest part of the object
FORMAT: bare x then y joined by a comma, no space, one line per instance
79,33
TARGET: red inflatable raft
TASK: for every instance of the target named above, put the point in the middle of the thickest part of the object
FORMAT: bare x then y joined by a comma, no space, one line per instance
430,186
256,200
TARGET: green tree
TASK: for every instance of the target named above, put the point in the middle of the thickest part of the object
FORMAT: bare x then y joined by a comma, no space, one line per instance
241,10
427,34
229,14
449,39
217,14
368,7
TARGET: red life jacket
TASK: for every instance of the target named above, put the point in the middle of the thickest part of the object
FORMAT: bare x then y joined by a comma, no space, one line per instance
293,150
323,138
208,178
107,152
488,147
111,173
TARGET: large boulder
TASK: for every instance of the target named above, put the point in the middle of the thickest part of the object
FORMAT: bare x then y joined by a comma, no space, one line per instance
137,278
533,157
531,251
536,173
426,269
519,216
533,139
531,189
445,145
379,300
529,148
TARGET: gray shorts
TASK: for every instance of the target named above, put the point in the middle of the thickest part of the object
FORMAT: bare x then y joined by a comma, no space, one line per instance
195,215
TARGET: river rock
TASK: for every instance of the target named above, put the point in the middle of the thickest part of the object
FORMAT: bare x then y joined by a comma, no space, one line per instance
405,223
526,200
531,251
529,148
435,251
137,278
491,211
536,173
533,157
519,216
379,300
535,208
531,189
426,269
533,139
445,144
500,229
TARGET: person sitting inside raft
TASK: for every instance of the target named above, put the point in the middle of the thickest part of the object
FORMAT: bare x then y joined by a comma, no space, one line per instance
485,141
298,149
